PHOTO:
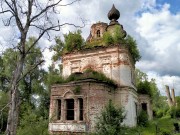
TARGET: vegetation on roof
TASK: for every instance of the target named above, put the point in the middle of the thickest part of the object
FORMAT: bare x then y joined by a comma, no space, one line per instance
73,42
90,74
87,74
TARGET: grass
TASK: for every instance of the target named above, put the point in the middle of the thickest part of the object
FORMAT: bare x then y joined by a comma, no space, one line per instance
156,127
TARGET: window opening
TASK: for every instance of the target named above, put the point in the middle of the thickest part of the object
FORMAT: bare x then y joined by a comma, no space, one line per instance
80,109
98,33
136,109
144,106
70,109
58,109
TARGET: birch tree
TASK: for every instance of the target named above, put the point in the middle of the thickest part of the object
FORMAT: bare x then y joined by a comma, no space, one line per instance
27,15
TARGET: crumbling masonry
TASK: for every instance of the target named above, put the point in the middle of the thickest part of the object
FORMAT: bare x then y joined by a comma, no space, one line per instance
75,106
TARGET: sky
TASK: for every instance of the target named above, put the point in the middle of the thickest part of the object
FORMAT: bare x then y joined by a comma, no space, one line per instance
154,24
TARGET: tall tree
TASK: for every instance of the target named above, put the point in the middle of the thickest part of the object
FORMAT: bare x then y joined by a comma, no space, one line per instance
27,15
32,83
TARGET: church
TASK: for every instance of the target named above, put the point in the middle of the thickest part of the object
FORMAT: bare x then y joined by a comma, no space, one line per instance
75,105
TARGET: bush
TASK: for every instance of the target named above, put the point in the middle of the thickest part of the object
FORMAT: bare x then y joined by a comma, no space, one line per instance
109,122
166,132
143,119
144,88
119,36
107,38
161,112
133,49
31,124
73,41
174,112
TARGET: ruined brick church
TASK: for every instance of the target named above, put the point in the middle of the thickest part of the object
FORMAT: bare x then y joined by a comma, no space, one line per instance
75,106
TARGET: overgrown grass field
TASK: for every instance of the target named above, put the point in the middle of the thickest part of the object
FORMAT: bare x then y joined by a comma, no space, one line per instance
162,126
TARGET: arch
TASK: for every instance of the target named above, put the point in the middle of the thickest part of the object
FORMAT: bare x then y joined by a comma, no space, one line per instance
98,33
68,94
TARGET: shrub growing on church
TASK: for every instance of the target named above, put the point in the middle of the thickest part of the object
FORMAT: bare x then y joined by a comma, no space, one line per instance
133,49
73,41
109,122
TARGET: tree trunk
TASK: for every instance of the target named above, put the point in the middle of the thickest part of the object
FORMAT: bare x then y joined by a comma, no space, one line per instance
13,113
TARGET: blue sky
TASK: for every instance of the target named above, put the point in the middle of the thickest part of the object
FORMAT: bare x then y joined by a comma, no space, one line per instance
174,5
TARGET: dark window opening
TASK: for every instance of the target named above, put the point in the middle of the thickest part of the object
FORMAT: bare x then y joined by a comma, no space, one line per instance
144,107
80,109
136,109
70,109
98,33
58,109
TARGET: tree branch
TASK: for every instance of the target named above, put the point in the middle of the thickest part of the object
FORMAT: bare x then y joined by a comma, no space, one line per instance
8,21
30,3
34,67
70,3
5,11
44,10
16,15
53,28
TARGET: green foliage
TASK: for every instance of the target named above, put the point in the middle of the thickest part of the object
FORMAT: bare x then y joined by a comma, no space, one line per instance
160,112
144,88
8,61
73,41
32,88
94,44
164,132
58,49
32,124
178,106
33,75
143,119
174,112
3,110
133,48
77,89
118,35
90,74
140,76
156,127
109,123
107,38
53,77
159,104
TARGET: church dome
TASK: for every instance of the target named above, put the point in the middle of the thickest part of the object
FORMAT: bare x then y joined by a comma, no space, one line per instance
113,14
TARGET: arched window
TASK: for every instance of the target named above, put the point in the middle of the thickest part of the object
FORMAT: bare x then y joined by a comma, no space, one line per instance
98,33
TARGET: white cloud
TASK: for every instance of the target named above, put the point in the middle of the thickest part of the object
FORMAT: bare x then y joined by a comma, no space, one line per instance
161,81
156,30
161,30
